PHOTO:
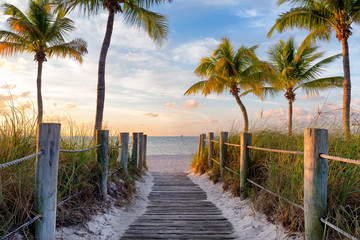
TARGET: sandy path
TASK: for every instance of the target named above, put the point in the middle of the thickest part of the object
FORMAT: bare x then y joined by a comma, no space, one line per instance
112,223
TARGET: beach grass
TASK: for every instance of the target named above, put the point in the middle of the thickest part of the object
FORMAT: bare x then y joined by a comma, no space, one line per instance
284,175
78,174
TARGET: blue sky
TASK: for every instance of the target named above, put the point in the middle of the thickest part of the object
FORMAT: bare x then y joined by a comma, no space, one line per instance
145,83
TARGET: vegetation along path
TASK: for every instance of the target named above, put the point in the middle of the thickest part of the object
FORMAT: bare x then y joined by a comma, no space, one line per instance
178,209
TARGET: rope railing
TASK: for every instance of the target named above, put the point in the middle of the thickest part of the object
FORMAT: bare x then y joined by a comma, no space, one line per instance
22,226
78,151
117,147
215,141
348,160
276,150
232,144
69,198
230,170
338,229
215,161
271,192
17,161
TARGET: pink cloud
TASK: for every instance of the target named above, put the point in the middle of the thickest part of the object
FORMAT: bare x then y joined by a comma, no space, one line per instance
191,103
151,114
170,105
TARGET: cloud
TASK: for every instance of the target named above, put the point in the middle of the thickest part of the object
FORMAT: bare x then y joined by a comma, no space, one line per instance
11,97
70,105
192,52
311,98
248,13
151,114
170,105
8,86
207,120
282,115
191,103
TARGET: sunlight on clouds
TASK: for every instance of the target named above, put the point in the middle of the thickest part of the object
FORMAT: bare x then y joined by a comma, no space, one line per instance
191,103
70,106
151,114
192,52
248,13
170,105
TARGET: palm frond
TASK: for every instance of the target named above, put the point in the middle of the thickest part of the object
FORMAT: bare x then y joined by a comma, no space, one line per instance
315,86
74,49
9,49
153,23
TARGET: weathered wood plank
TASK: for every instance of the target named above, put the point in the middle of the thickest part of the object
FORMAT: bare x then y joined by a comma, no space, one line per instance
178,209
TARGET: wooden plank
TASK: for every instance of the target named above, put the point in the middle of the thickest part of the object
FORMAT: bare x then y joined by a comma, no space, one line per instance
178,209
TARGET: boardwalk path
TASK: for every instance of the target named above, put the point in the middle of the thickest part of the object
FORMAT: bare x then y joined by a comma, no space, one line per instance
178,209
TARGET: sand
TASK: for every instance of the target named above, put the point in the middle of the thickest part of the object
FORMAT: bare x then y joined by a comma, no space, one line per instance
247,223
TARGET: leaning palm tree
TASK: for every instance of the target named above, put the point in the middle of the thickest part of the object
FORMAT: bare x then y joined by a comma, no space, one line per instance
237,72
295,69
322,17
42,33
136,13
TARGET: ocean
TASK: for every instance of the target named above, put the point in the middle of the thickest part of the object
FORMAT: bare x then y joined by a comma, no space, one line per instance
172,145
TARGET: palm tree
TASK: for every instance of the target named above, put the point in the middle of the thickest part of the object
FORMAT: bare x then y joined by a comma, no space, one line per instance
42,33
136,13
236,71
295,69
322,17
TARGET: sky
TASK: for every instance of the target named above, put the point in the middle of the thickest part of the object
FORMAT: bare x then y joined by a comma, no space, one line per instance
145,83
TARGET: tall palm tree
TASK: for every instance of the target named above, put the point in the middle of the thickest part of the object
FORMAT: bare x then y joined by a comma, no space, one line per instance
40,32
236,71
295,69
136,13
322,17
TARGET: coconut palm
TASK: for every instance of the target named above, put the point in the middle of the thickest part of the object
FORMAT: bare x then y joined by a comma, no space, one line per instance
136,13
322,17
236,71
295,69
42,33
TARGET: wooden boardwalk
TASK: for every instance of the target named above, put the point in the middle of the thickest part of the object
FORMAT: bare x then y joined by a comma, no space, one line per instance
178,209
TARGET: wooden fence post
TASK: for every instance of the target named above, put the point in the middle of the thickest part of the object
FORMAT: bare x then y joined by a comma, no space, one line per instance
203,144
144,151
223,149
134,149
199,146
46,178
315,181
124,151
140,150
102,156
245,162
210,148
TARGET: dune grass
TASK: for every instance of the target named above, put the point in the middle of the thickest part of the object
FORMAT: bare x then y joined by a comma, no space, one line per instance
284,175
78,175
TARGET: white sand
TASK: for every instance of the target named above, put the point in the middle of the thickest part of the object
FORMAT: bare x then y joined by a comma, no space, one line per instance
247,223
113,223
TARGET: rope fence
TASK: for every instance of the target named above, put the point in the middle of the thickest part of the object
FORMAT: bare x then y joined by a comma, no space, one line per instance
46,168
17,161
117,147
215,161
337,229
37,217
69,198
276,150
78,151
230,170
271,192
232,144
340,159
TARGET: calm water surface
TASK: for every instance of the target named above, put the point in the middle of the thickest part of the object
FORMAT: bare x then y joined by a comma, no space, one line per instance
172,145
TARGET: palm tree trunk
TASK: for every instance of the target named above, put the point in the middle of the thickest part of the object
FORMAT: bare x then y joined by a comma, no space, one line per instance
347,89
244,112
290,118
38,88
101,72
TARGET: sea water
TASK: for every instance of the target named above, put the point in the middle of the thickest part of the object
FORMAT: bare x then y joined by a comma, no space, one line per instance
172,145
